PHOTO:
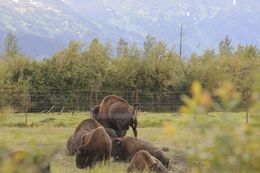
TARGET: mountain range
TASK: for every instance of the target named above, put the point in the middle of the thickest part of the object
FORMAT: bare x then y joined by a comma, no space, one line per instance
42,27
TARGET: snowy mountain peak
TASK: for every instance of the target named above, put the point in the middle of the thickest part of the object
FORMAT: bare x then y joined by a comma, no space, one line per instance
45,26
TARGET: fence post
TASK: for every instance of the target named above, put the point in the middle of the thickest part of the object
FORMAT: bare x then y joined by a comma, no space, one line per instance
90,100
96,98
26,105
77,100
136,96
247,116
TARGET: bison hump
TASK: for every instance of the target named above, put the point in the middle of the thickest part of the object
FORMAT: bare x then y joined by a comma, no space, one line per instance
110,100
87,125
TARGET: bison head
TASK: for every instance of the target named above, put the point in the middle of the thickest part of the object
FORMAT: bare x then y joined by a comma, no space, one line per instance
117,149
111,132
161,156
159,167
84,158
94,111
95,147
137,107
121,127
123,119
84,155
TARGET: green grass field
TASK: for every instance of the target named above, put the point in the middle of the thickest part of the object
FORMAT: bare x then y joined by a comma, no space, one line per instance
171,130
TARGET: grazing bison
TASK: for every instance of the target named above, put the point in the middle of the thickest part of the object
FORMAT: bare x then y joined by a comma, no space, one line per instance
142,161
115,112
74,141
95,147
123,149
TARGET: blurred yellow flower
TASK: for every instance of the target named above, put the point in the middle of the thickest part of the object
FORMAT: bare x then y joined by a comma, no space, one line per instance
184,109
206,99
194,170
169,129
196,88
4,112
20,156
8,166
200,102
229,96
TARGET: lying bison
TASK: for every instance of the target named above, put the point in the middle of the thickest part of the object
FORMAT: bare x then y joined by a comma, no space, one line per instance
142,161
115,112
123,149
95,147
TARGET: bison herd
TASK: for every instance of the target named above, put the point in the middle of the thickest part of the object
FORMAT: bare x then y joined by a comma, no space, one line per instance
101,137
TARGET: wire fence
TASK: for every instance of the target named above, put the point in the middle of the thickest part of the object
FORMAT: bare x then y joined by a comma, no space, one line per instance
77,100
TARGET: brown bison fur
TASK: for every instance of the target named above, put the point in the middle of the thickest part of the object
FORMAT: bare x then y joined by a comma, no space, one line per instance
142,161
123,149
96,146
74,141
70,145
87,125
111,133
115,112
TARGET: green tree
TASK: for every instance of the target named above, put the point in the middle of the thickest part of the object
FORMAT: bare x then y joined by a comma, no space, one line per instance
249,66
149,43
122,48
95,61
206,69
10,46
165,69
225,47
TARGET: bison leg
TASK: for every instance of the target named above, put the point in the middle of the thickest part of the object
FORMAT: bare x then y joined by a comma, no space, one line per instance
107,155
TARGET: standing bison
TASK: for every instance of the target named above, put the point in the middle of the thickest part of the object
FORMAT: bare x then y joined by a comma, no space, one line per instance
115,112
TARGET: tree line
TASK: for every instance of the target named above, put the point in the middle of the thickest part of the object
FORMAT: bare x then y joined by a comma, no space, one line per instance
155,67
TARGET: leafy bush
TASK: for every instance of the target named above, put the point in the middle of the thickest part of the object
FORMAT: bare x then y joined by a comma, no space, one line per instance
231,147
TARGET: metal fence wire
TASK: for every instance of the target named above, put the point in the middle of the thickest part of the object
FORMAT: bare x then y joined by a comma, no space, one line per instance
76,100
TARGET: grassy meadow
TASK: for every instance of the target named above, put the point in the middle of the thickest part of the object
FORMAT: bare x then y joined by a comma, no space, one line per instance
175,131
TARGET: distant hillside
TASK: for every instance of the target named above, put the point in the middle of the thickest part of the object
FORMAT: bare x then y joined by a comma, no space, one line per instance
44,26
